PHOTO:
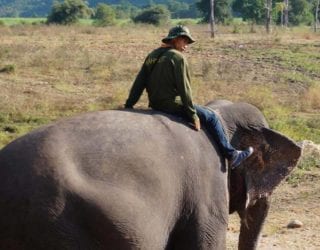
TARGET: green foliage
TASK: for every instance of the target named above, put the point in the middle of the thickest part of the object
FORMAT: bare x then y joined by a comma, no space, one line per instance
125,10
222,10
24,8
183,10
28,20
253,10
105,15
156,15
300,12
68,12
185,21
177,8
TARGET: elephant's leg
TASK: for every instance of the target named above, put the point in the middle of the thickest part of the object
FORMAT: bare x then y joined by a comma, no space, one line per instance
213,233
252,221
205,231
184,234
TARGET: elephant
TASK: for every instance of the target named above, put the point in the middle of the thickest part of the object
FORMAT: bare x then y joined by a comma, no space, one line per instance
139,179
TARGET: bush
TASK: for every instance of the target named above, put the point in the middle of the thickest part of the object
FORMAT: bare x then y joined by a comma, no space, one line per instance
105,15
68,12
156,15
7,69
312,97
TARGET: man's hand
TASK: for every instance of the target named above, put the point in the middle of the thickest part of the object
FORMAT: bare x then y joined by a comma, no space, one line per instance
197,125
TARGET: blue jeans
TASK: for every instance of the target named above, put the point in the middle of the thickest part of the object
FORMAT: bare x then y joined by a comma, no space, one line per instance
214,127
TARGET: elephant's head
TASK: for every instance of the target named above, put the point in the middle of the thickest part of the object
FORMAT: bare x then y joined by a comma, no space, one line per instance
273,159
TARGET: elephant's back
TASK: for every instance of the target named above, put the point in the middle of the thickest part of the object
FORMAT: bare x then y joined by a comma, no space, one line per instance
115,146
119,137
132,147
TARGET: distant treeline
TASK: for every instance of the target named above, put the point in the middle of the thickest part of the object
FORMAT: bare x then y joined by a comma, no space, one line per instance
41,8
292,12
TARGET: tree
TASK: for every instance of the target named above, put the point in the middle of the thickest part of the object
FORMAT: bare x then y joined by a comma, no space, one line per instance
105,15
300,12
268,15
253,10
212,18
177,8
156,15
125,10
280,8
222,10
316,14
68,12
286,12
316,10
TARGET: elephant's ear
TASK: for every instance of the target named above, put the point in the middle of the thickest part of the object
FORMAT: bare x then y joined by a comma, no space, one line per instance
273,159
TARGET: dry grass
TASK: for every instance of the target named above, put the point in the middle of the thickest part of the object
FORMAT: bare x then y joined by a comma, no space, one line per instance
312,97
59,71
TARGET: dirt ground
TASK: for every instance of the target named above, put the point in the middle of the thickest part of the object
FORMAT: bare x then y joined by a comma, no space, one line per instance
298,201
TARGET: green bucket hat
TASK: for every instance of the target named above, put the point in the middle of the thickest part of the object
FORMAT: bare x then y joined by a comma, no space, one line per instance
177,31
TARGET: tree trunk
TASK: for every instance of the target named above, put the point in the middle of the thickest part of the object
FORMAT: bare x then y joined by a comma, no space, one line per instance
212,18
268,18
316,23
286,13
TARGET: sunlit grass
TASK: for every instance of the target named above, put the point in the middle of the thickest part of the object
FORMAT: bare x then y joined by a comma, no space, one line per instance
49,72
20,20
34,20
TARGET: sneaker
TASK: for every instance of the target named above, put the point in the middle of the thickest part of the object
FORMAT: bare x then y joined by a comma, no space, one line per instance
240,157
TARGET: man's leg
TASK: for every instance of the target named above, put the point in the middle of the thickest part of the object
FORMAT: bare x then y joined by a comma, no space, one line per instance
214,126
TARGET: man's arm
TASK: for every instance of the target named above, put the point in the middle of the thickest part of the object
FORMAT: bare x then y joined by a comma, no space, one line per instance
137,88
184,91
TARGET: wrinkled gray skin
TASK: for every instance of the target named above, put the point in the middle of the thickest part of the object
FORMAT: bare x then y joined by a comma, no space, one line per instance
138,180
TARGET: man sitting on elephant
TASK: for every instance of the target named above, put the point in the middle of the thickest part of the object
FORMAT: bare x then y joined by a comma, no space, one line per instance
165,76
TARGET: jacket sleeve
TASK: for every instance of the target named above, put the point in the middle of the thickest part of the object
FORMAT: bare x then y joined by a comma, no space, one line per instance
137,88
183,87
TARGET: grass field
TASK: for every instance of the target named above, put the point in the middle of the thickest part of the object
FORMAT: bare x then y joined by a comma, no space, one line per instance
19,20
49,72
9,21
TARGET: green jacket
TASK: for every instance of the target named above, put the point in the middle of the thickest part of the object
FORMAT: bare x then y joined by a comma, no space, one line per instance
168,85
